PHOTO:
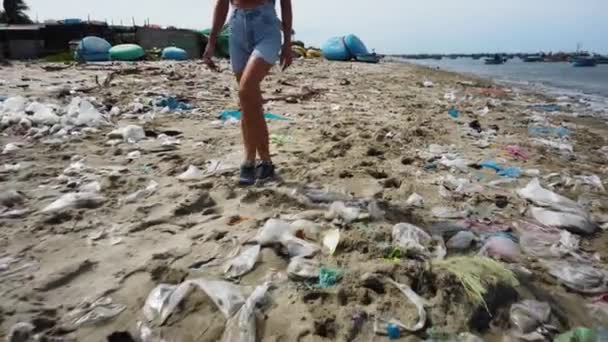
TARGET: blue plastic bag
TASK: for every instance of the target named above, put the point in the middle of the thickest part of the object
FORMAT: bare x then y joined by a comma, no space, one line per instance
225,115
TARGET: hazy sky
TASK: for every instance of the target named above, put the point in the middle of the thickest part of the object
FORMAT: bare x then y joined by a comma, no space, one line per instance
389,26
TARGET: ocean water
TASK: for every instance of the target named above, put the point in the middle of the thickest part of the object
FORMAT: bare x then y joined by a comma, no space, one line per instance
556,77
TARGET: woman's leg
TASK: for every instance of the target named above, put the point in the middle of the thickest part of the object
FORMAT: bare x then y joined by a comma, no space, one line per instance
250,95
248,143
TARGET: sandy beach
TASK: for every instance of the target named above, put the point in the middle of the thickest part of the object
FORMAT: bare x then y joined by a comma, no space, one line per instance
366,136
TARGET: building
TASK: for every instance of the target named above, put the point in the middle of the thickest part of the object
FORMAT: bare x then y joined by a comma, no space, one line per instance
21,41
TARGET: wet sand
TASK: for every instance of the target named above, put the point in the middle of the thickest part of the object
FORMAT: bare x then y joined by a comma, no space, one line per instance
363,131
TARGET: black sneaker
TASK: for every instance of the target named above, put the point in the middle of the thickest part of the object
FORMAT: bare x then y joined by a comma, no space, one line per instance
265,170
247,176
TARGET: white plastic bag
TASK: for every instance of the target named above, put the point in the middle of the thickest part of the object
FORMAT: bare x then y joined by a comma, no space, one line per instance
415,200
75,200
243,263
461,241
297,247
303,269
141,194
573,222
130,133
536,194
192,174
163,299
272,232
242,327
340,210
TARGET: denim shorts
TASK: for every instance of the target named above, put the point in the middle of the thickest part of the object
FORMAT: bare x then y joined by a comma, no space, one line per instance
254,32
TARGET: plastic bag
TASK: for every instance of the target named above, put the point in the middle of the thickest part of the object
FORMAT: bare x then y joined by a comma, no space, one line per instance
528,315
163,299
536,194
99,311
243,263
340,210
297,247
75,200
461,241
500,247
242,327
192,174
141,194
579,276
43,115
303,269
415,200
272,232
130,133
573,222
411,238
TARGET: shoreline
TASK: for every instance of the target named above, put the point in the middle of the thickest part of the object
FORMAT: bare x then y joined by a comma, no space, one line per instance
599,100
370,136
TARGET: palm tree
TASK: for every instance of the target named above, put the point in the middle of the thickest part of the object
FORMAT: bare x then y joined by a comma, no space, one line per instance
14,12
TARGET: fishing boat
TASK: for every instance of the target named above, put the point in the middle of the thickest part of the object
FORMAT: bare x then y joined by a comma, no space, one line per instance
496,60
599,59
532,58
583,61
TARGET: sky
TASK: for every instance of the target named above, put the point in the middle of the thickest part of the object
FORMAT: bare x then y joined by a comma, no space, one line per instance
388,26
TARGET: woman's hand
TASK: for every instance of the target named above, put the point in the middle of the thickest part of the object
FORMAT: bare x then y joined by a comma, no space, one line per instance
286,56
208,57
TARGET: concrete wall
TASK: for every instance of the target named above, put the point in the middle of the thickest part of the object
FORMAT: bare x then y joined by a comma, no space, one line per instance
191,41
25,49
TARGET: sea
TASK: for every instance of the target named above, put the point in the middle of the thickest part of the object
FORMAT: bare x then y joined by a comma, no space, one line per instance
590,84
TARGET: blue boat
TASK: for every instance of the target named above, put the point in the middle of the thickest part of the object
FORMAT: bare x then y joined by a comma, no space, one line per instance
346,48
334,49
93,49
174,54
584,62
355,46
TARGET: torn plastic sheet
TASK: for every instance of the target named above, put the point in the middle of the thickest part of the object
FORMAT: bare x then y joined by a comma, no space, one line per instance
573,222
97,312
528,318
544,245
141,194
536,194
419,302
242,327
340,210
164,299
303,269
579,276
75,200
297,247
243,263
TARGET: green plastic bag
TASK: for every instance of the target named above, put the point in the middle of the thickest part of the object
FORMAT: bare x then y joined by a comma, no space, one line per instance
578,335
